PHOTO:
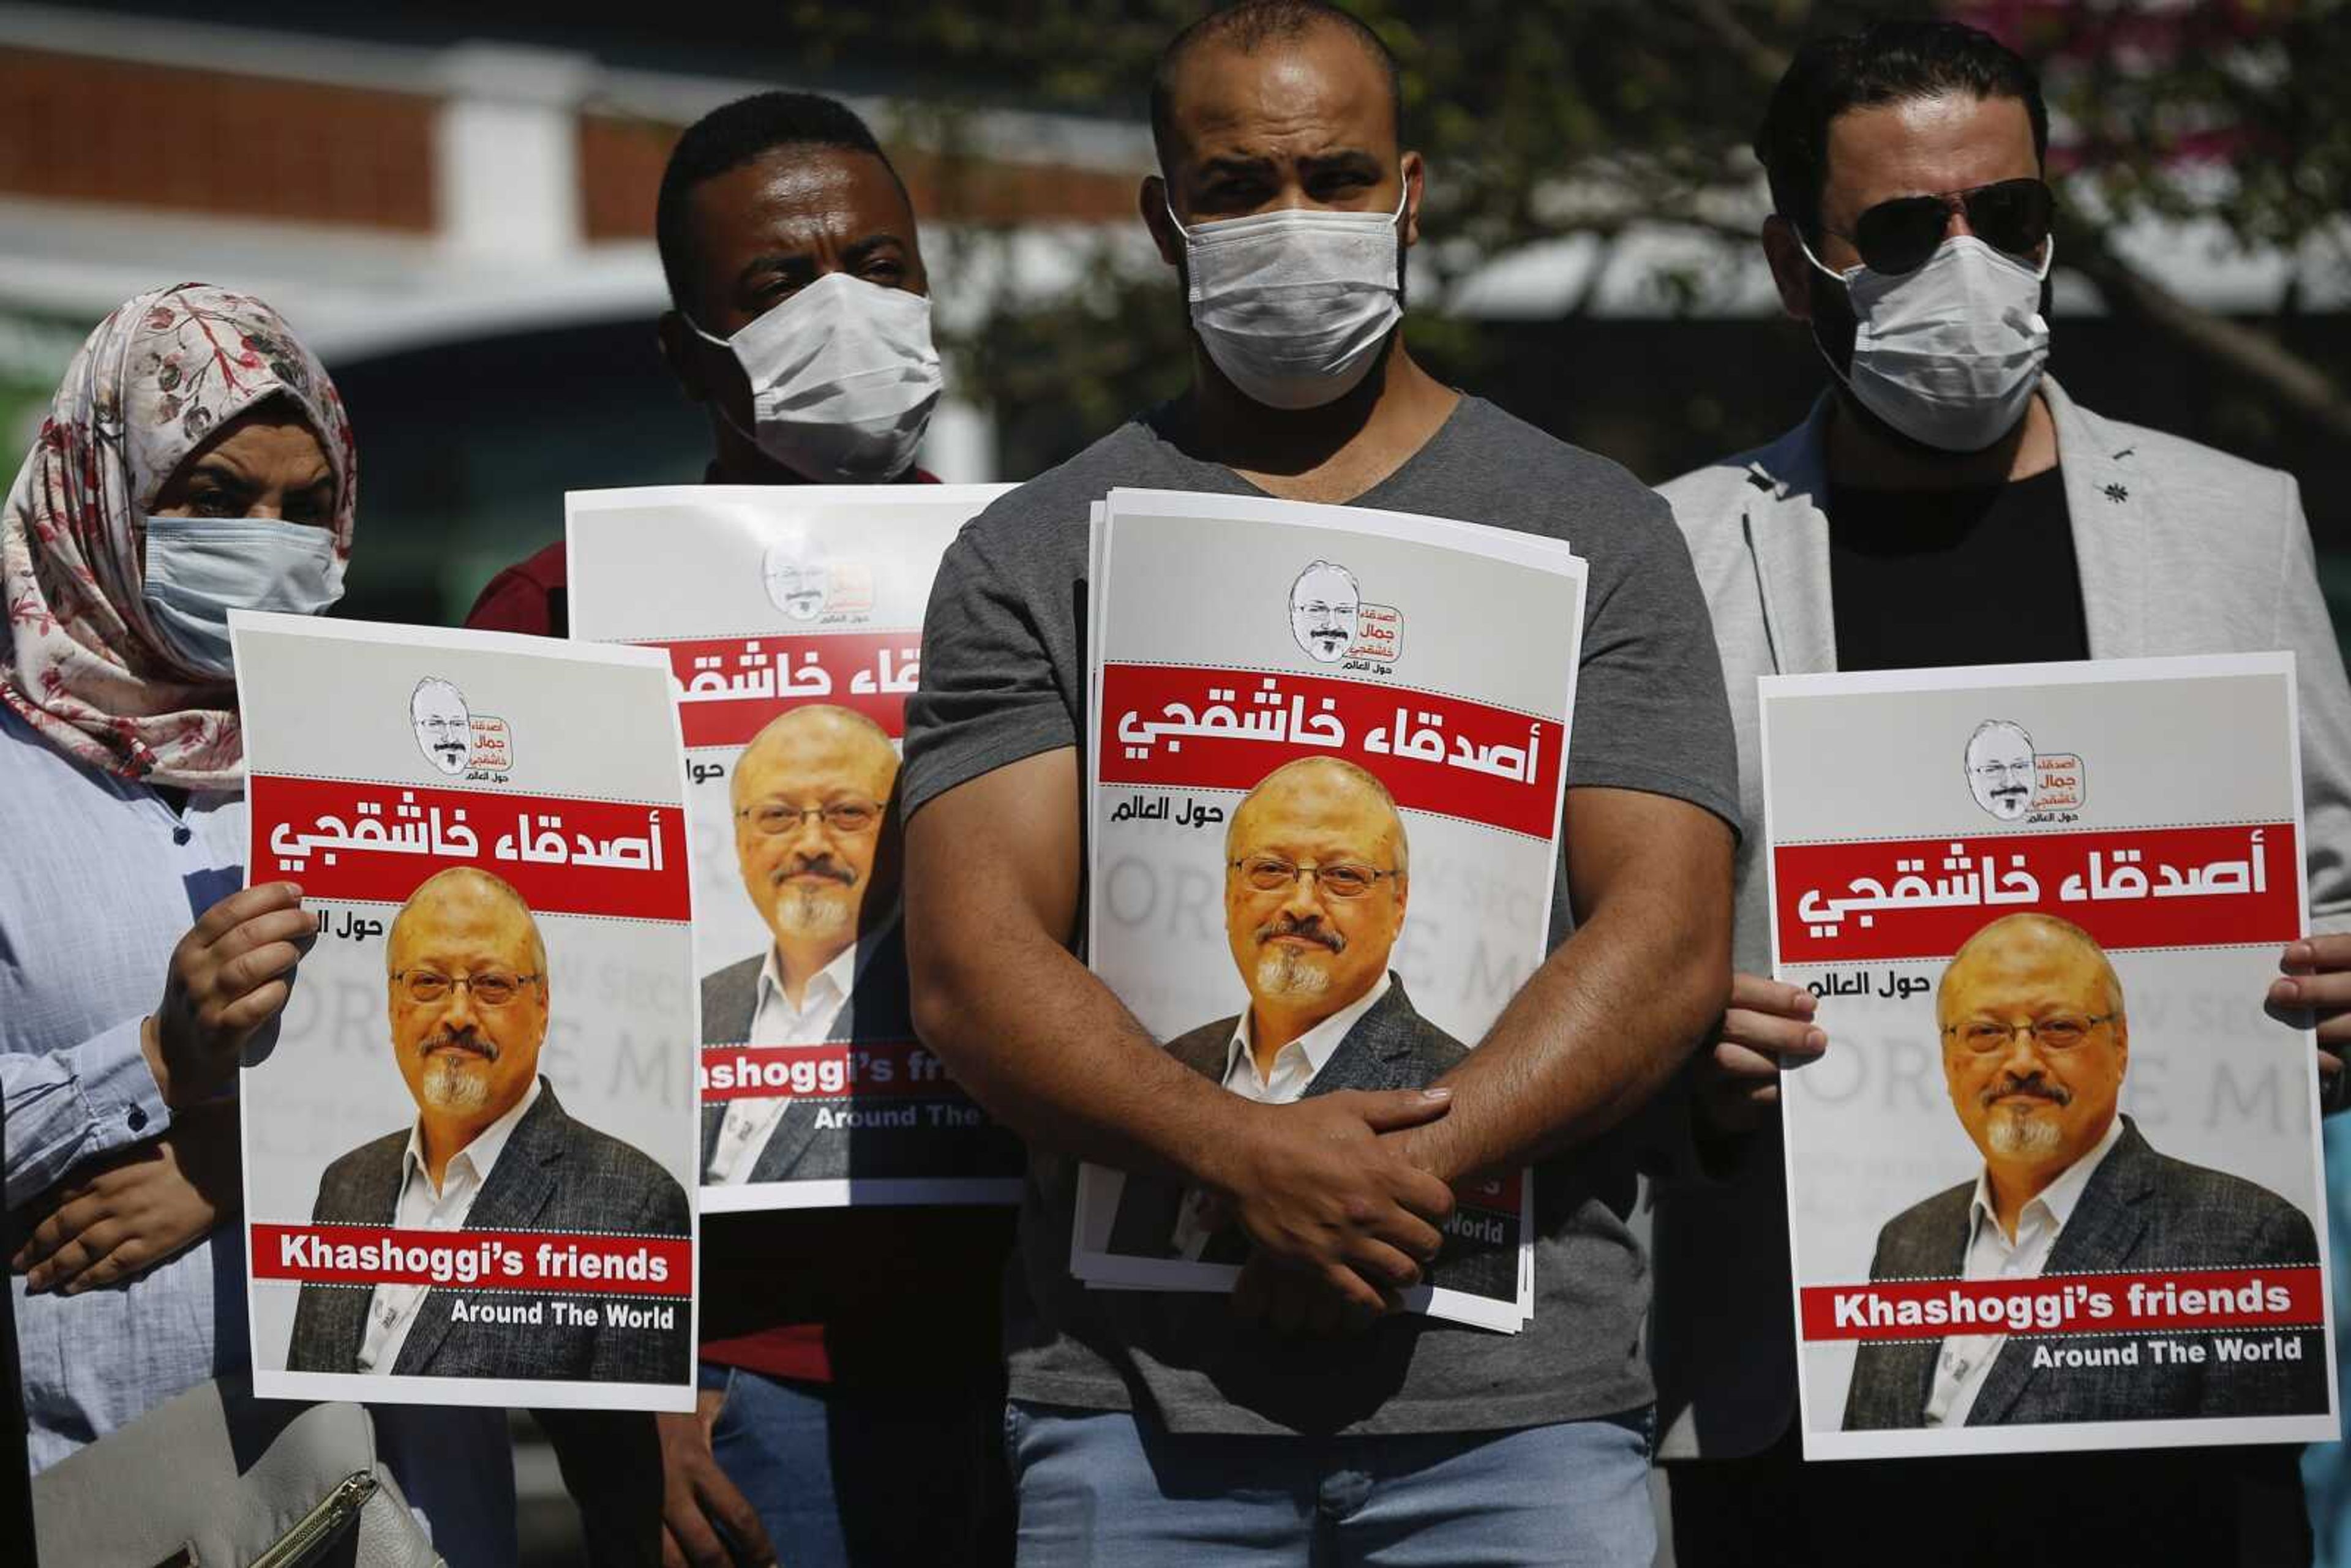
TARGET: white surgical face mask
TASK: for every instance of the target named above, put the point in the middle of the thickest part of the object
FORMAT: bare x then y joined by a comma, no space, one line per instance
200,568
1949,354
843,378
1293,305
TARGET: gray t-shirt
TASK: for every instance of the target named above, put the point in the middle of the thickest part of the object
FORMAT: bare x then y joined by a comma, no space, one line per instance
1004,677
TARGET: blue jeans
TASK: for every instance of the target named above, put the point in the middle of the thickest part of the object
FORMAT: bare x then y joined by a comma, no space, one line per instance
843,1477
1111,1489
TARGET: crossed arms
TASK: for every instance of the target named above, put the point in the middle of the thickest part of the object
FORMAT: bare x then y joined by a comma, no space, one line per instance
1341,1191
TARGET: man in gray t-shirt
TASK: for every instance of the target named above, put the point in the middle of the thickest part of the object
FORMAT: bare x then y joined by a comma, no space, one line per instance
1525,1448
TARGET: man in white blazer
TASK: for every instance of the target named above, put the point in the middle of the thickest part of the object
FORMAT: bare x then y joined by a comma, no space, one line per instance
1946,503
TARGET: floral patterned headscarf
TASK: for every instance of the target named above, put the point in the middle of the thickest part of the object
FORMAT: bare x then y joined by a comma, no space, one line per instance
83,663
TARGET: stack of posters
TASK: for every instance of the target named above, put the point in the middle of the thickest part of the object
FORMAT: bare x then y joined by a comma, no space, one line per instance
1323,803
469,1146
2056,1183
791,620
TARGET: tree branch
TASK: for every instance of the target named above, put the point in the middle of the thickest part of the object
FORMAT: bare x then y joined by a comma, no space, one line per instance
2244,353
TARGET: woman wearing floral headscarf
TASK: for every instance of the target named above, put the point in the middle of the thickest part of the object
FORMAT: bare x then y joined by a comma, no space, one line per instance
195,460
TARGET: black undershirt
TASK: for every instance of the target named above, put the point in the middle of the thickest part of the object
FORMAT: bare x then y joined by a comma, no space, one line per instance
1985,575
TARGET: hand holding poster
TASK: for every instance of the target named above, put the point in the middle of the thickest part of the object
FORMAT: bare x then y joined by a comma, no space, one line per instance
791,617
1323,825
468,1147
2056,1183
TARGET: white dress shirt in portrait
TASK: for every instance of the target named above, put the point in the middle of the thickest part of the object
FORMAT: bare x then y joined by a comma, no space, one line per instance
1966,1359
748,1124
392,1310
1294,1067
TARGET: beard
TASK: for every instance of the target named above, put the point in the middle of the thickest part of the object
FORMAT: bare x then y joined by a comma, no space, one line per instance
2022,1132
807,913
1290,974
460,1084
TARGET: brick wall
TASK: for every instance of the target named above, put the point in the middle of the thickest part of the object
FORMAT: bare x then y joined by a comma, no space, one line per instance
75,128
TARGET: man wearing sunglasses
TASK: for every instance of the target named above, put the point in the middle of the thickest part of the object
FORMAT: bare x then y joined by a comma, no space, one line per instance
1942,471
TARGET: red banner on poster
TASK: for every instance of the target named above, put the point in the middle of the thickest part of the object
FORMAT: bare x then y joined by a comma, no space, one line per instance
836,1071
1178,726
2288,1297
729,687
487,1259
375,842
2152,887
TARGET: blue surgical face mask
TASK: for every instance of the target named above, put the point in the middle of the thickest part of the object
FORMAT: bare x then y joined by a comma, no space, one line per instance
200,568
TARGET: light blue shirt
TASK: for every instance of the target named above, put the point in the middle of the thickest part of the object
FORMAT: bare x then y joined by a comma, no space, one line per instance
99,879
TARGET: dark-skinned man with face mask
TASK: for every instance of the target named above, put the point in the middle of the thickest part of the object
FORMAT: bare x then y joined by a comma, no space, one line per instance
1299,1420
1941,473
849,1357
799,318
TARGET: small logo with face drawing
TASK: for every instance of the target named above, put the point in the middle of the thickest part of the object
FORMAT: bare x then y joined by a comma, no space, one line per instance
452,736
1331,623
2010,780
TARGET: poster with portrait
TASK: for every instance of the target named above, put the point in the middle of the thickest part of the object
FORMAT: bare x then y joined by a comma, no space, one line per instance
1322,824
791,617
2057,1183
469,1146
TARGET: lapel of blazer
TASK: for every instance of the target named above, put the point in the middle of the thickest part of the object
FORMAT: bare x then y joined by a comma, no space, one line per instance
1787,534
714,1115
2108,502
796,1129
344,1314
1373,1054
521,1185
2106,1225
734,999
2109,505
1910,1364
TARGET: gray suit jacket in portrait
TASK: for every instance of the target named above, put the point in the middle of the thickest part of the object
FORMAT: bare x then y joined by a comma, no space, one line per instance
554,1175
1390,1047
2141,1210
2182,549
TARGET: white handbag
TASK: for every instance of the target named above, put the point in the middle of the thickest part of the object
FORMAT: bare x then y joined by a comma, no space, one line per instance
217,1479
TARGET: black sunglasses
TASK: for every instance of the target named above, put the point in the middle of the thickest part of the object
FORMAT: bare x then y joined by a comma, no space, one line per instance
1896,236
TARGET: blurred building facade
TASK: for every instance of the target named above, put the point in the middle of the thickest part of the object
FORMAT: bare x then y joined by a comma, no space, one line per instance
462,231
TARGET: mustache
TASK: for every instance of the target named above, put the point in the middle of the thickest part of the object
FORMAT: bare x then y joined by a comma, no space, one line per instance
1311,928
2012,790
2034,1086
458,1040
815,865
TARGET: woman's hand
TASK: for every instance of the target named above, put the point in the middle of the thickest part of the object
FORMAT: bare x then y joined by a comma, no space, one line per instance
230,975
115,1221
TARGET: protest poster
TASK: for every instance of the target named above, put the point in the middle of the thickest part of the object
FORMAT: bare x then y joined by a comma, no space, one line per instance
2057,1183
791,617
1322,805
469,1146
